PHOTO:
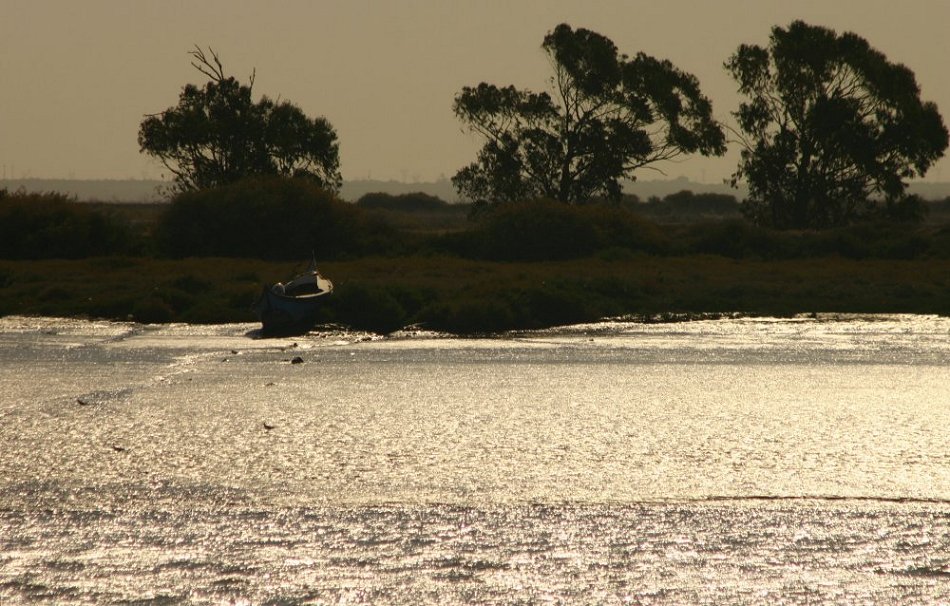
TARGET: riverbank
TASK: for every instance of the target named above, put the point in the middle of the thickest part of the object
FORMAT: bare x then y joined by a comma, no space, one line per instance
465,296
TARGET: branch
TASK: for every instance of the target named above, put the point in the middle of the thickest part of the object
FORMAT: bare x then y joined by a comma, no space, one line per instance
741,139
204,65
212,67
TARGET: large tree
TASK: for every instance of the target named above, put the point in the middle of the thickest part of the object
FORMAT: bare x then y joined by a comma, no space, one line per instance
606,116
217,134
830,128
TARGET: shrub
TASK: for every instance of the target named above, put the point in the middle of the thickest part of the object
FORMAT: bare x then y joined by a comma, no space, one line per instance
191,284
365,307
617,227
738,239
413,202
536,230
56,226
544,230
469,316
152,310
686,201
466,244
209,312
870,240
555,305
940,243
267,218
686,204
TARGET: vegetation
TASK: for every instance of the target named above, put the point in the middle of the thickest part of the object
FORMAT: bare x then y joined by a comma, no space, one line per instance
609,116
830,125
686,207
55,226
218,135
525,265
414,214
831,131
415,202
267,218
543,230
465,296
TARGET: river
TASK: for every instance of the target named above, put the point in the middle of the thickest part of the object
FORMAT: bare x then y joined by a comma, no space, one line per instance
729,461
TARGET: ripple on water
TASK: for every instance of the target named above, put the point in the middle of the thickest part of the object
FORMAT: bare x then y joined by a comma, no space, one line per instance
699,553
731,461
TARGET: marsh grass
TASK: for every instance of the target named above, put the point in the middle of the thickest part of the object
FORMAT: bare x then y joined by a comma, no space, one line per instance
465,296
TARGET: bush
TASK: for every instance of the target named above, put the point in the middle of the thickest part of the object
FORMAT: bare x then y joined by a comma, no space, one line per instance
365,307
544,230
685,203
536,230
555,305
56,226
209,312
466,244
470,316
414,202
617,227
268,218
152,310
870,240
940,243
738,239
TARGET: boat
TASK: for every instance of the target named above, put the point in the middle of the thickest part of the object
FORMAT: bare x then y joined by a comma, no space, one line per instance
292,307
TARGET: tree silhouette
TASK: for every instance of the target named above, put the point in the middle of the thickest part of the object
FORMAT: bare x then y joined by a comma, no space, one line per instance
217,135
607,115
829,125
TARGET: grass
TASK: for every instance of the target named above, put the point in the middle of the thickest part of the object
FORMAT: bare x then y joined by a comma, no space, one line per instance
467,296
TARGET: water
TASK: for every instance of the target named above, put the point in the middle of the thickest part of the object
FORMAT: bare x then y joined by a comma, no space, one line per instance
729,461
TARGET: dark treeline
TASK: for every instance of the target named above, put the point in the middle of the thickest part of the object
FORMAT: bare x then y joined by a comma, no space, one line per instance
287,219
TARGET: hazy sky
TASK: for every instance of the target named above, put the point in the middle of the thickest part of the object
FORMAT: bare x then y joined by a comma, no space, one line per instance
77,77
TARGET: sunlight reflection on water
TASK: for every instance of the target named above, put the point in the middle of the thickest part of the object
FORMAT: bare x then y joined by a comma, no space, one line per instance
737,460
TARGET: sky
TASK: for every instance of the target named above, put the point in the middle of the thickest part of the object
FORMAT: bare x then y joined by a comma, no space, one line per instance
78,77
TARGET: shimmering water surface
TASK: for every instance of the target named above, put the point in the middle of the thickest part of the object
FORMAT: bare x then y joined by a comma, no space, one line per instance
730,461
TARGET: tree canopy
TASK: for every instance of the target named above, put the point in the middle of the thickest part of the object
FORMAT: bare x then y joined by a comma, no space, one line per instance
828,127
218,135
606,116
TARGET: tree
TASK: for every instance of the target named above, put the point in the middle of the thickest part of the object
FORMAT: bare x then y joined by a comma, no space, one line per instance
607,115
217,135
830,126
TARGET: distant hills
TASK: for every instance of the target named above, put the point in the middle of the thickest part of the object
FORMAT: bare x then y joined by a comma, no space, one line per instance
145,190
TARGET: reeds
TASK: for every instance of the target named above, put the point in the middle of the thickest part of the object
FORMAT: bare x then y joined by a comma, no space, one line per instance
464,296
